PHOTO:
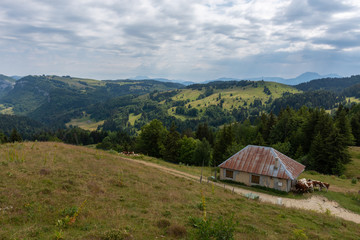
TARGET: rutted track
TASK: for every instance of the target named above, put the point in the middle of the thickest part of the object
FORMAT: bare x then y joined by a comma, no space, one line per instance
316,203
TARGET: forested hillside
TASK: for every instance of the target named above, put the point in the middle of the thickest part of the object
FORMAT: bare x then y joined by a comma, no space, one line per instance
210,121
56,100
331,84
6,84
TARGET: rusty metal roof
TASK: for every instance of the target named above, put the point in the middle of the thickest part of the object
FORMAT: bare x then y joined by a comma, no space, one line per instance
261,160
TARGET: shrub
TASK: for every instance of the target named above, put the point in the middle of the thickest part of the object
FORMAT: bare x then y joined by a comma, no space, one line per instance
342,176
117,234
353,180
221,229
299,234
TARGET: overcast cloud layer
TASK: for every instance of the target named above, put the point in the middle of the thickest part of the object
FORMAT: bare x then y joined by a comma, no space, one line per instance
179,39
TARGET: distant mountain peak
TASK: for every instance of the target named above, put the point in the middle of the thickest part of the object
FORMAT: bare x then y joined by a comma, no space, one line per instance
304,77
140,78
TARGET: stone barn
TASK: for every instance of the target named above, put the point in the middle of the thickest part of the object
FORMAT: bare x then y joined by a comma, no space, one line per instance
262,166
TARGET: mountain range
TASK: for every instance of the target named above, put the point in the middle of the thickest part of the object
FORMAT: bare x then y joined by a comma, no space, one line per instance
305,77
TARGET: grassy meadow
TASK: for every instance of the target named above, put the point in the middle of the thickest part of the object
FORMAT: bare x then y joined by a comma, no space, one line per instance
342,189
58,191
233,97
85,123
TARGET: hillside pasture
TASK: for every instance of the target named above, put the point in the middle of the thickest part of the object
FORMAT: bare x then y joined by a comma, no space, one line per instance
58,191
231,98
85,123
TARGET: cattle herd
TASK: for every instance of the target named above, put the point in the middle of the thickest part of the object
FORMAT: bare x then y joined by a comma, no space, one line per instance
303,185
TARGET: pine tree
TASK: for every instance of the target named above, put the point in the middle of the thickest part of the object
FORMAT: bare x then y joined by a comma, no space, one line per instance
171,145
15,136
355,128
3,138
343,124
224,139
317,155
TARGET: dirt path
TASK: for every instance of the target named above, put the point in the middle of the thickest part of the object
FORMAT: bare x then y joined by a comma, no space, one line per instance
317,203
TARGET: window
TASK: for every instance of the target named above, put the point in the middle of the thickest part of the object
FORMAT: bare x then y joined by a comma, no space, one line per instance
229,174
255,179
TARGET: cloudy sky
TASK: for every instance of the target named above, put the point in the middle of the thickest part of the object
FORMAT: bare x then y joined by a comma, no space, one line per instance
179,39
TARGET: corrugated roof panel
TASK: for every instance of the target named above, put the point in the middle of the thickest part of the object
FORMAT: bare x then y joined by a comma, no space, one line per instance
261,160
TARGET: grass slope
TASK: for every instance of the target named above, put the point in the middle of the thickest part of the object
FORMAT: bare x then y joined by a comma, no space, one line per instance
232,97
41,183
85,123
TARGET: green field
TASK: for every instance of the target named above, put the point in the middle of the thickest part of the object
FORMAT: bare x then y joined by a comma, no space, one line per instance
85,123
6,110
233,97
133,118
58,191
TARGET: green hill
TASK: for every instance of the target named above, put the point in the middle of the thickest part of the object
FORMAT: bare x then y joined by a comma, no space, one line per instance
216,103
56,100
6,84
230,95
330,84
58,191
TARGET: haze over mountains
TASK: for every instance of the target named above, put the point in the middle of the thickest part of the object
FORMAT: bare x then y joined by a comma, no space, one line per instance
305,77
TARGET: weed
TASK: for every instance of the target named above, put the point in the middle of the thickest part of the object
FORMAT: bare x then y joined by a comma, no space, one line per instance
221,229
70,214
58,234
70,211
117,234
353,180
299,234
328,212
342,176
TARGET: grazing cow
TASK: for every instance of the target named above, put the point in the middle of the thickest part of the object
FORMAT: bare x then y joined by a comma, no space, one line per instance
304,186
319,184
326,185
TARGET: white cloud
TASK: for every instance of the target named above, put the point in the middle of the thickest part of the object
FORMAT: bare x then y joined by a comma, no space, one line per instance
179,39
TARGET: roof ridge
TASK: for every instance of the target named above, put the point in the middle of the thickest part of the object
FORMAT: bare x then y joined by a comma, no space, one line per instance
282,164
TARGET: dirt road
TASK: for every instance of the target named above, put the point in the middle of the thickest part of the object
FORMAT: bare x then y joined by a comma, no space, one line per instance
317,203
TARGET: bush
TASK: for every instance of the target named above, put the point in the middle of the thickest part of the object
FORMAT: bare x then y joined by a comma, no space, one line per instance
117,235
299,234
342,176
221,229
353,180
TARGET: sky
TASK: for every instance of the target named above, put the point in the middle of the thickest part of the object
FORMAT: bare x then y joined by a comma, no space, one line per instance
179,39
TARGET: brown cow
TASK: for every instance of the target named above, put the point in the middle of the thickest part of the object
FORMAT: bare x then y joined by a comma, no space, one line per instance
304,186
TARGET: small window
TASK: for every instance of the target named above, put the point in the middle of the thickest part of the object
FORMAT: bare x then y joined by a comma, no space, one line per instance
255,179
229,174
